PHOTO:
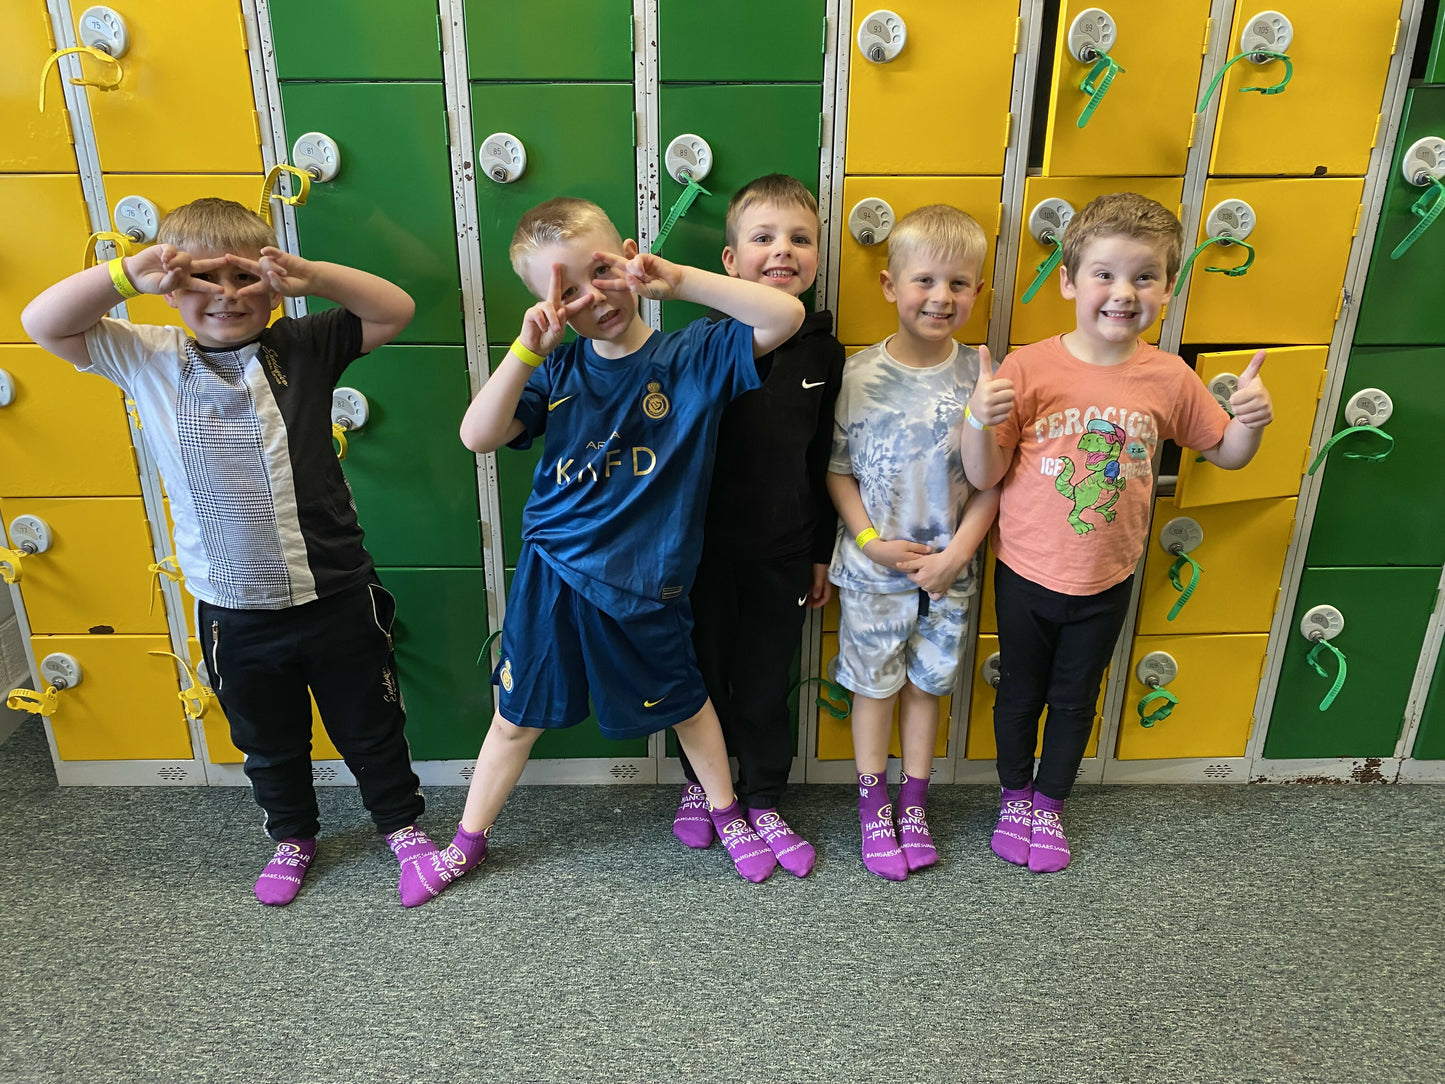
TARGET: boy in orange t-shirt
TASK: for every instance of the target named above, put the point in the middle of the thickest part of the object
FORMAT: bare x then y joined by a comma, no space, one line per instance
1070,426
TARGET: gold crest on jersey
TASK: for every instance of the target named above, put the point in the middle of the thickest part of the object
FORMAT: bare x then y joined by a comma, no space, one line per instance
654,403
505,675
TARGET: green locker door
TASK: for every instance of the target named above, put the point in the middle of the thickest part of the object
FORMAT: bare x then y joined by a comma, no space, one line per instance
582,39
578,140
1385,611
1435,63
1400,302
1430,741
1387,512
515,471
415,484
389,210
745,41
356,39
752,130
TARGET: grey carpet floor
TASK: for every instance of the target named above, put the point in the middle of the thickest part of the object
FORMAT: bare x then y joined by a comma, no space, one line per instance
1231,934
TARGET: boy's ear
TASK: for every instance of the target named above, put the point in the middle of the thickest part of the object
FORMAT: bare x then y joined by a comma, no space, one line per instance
886,281
171,300
730,261
629,248
1066,286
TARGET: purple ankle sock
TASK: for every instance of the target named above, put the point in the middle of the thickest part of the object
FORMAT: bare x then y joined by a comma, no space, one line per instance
794,853
753,858
914,837
412,848
881,853
1048,847
1015,825
432,872
692,825
281,879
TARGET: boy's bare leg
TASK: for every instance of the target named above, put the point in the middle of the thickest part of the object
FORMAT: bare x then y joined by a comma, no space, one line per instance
701,739
872,727
918,734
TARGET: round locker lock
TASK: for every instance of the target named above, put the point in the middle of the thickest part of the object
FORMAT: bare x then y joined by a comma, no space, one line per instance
882,35
1223,387
991,672
1156,669
349,408
1321,623
1232,218
30,534
1091,34
1269,31
1424,160
1181,535
104,29
60,670
1048,219
870,221
317,154
1369,406
7,388
688,156
138,218
504,159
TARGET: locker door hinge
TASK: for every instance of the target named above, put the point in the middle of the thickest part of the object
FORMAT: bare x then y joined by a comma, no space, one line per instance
821,117
1320,391
256,126
1193,121
1293,530
447,127
1263,662
1395,43
988,315
1304,463
1018,34
439,31
245,38
45,22
998,219
1274,608
1208,30
823,46
1008,129
69,129
134,459
632,34
1375,135
1339,305
634,128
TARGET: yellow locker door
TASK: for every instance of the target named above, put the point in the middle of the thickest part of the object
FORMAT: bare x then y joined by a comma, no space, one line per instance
64,432
864,317
94,576
941,105
1295,377
1325,120
1048,313
32,141
979,744
167,193
45,244
1141,125
988,608
184,104
127,705
1301,235
1240,550
835,736
1217,679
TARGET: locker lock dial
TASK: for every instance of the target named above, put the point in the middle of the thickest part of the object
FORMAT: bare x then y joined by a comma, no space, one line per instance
7,388
1232,219
317,154
991,672
104,29
1156,669
1181,535
688,156
60,670
1092,34
1048,219
137,218
1269,31
870,221
1369,406
349,408
882,35
30,534
1322,622
1424,161
504,159
1223,387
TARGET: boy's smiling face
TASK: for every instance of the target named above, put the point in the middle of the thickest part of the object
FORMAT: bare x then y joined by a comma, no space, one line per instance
777,245
934,295
226,319
613,310
1118,293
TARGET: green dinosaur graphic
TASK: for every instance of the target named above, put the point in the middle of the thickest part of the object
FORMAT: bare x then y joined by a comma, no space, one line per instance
1101,444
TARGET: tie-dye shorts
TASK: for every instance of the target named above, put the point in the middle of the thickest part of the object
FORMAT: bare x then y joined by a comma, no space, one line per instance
884,640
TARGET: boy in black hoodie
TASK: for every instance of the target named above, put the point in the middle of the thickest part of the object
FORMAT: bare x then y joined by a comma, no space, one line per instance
770,524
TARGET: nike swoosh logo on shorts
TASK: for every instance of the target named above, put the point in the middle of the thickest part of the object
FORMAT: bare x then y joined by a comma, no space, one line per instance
559,402
653,703
815,384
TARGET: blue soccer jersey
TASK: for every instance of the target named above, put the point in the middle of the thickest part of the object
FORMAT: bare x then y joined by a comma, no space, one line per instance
619,498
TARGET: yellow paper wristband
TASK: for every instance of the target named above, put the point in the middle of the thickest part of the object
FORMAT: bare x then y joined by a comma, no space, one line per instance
968,417
525,356
865,536
118,277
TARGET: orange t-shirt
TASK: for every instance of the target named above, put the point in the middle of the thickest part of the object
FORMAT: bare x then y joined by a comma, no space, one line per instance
1074,513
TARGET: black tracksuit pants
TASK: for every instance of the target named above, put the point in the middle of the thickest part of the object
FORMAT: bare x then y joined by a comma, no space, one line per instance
748,621
262,664
1052,650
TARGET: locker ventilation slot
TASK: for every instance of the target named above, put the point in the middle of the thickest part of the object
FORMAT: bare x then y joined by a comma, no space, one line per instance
172,773
1218,771
624,771
467,772
325,773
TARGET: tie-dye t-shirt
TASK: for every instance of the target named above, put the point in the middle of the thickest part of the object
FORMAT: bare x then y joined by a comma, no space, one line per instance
896,430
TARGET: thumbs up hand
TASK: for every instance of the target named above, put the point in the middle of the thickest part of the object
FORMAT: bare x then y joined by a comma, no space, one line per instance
993,399
1251,403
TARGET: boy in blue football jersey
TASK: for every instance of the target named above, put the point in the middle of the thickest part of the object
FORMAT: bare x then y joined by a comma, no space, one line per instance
613,528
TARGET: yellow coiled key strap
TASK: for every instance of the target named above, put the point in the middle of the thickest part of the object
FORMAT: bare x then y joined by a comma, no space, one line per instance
268,189
195,698
99,84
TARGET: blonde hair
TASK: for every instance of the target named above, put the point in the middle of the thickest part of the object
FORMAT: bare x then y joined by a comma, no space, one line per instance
777,190
221,225
938,231
1124,214
553,222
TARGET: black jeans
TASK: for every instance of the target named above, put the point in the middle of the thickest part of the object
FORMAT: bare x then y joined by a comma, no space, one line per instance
262,664
747,622
1053,649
